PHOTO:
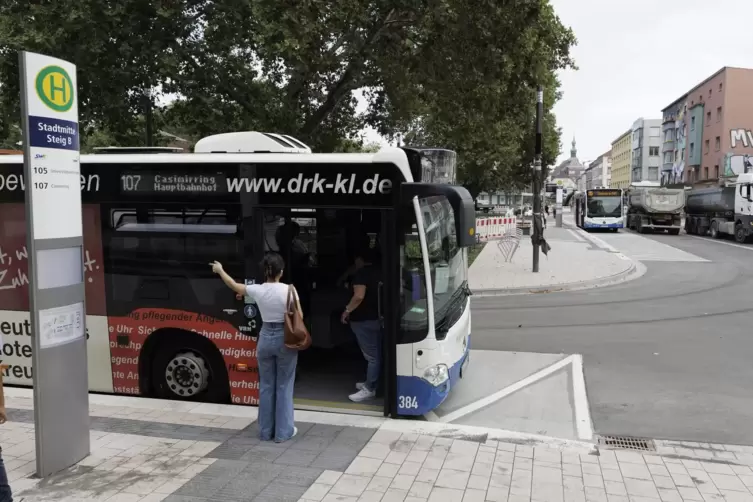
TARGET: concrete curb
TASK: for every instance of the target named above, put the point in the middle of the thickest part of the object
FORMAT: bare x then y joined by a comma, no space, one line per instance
634,271
21,398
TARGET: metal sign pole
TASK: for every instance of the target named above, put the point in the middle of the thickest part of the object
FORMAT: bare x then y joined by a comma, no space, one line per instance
54,233
558,219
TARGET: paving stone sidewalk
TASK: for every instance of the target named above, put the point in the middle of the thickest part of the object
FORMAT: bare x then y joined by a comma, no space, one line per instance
410,468
137,460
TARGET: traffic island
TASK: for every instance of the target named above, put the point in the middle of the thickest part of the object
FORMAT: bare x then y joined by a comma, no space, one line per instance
576,261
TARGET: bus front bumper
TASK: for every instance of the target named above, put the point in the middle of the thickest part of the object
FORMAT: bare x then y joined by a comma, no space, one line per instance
416,396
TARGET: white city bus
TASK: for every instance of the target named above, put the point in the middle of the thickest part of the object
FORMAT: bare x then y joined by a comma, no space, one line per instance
160,324
599,208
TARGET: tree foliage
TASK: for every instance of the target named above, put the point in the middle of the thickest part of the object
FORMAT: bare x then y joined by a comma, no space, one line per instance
459,72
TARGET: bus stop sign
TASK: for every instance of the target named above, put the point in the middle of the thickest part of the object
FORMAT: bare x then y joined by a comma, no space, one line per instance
52,176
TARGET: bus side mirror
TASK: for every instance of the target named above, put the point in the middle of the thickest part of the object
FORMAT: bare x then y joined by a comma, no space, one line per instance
463,206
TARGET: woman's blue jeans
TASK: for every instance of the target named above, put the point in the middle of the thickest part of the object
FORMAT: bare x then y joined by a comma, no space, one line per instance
5,493
276,379
369,336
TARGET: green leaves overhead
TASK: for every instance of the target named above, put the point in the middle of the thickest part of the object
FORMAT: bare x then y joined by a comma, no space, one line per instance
456,73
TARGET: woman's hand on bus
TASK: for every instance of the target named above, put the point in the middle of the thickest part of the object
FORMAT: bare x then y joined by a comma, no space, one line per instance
216,267
238,296
344,317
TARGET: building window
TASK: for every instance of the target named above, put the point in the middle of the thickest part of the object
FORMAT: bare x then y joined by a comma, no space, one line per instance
716,171
653,174
692,123
709,92
706,173
669,135
653,151
717,143
708,118
692,148
719,114
720,86
706,147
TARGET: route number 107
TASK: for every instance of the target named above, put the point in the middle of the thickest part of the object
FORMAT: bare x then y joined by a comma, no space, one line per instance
130,182
407,402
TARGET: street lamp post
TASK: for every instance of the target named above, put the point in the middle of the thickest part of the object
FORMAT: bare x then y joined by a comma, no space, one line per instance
538,229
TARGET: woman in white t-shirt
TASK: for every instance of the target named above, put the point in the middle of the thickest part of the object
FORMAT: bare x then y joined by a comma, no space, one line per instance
277,363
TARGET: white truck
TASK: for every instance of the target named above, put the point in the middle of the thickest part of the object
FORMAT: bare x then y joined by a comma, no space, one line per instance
722,210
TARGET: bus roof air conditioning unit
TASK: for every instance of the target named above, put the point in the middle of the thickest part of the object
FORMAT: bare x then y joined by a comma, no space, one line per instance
250,142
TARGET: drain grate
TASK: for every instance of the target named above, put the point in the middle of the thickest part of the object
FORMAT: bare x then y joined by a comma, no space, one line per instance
627,443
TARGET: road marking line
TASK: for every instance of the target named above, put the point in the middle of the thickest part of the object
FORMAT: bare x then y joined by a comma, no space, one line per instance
598,242
580,400
747,248
575,234
493,398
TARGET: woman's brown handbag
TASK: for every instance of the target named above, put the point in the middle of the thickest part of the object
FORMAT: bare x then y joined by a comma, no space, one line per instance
297,337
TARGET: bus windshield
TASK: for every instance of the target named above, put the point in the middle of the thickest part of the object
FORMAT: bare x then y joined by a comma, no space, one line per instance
601,206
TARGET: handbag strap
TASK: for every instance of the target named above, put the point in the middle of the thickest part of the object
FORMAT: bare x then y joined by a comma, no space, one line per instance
292,301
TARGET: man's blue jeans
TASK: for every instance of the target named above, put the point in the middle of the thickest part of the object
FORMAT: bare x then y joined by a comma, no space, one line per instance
276,380
369,336
5,493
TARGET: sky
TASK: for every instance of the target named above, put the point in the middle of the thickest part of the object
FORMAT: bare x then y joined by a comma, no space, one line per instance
637,57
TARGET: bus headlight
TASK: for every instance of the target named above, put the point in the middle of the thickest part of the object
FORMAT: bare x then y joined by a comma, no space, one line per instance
437,375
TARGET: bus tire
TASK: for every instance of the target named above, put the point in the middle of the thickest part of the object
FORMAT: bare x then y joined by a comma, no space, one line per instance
189,367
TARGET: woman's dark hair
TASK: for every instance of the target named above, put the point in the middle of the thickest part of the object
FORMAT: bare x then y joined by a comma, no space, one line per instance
272,265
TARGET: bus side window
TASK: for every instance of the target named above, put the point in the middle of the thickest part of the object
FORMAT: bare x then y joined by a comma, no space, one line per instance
162,260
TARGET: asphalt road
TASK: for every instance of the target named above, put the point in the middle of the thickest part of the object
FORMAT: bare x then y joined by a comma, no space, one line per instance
666,356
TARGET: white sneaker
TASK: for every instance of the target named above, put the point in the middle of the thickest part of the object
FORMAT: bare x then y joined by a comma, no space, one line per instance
360,385
295,432
362,395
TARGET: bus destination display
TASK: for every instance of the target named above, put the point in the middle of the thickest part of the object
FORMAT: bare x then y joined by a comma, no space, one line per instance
604,192
144,182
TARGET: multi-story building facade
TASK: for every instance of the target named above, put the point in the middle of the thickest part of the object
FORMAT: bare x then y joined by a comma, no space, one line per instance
715,125
622,159
599,171
646,146
673,142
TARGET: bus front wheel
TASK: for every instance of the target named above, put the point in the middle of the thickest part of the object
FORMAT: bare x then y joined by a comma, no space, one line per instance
187,366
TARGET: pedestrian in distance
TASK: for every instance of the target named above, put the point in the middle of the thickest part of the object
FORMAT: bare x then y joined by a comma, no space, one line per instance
5,492
277,363
362,311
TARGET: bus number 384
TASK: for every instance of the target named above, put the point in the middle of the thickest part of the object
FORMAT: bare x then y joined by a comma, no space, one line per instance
408,402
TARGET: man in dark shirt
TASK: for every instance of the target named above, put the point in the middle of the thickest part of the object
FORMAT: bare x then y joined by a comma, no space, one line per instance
363,313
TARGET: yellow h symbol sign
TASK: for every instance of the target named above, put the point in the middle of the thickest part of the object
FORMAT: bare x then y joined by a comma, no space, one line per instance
55,88
61,87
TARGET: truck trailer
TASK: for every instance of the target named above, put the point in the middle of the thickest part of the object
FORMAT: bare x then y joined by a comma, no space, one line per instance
653,208
722,210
